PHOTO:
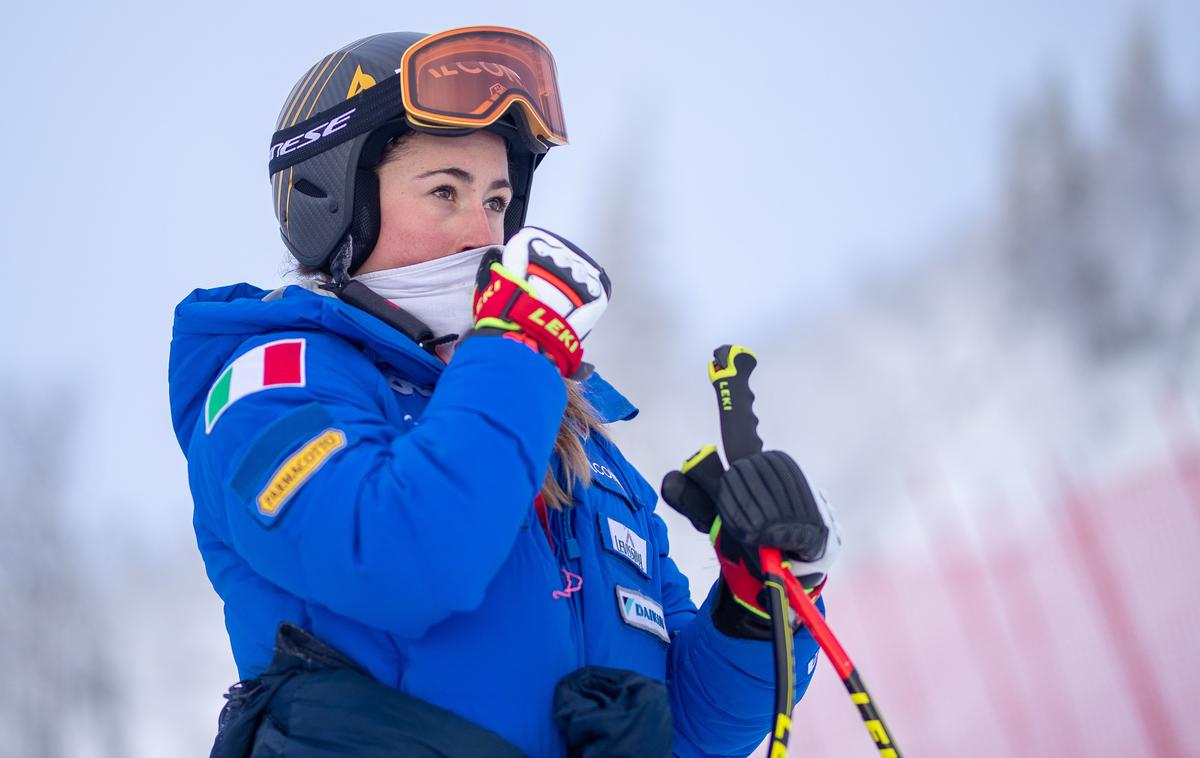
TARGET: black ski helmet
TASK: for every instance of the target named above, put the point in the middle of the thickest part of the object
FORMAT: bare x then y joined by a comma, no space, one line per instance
325,191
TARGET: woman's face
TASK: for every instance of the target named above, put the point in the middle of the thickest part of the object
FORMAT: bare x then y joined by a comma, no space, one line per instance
439,196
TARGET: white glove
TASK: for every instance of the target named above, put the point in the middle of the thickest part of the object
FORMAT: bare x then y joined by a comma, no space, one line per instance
561,275
541,290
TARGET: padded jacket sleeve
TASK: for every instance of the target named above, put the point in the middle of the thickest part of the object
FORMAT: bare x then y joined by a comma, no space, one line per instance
396,529
722,689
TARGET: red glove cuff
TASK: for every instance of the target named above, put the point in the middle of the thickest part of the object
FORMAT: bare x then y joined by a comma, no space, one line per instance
747,588
503,300
744,586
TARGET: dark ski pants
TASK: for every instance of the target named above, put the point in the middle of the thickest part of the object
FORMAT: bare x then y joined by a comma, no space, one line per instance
313,701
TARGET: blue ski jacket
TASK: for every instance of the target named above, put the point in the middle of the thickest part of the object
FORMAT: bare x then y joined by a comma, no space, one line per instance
349,483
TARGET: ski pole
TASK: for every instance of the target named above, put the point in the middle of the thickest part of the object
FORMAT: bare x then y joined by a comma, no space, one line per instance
729,373
739,437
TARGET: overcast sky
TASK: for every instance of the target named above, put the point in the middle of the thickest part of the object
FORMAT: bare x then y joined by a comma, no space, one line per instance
784,147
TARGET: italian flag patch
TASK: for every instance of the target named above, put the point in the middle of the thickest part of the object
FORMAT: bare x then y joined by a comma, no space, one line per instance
275,364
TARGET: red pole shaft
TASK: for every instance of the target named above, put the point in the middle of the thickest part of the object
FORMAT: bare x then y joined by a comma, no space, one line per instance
813,619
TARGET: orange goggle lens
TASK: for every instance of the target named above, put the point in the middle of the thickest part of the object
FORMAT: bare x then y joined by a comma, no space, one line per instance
471,77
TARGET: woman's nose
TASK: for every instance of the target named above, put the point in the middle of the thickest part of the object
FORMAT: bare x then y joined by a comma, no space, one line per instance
478,232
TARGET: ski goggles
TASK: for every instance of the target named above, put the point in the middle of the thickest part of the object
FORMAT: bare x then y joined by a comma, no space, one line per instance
471,77
450,82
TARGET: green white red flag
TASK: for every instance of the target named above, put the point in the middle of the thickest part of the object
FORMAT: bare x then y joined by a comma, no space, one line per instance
275,364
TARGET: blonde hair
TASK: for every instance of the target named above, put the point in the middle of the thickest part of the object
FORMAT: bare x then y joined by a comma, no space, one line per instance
579,422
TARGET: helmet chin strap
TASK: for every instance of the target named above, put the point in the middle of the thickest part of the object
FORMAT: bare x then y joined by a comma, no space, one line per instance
361,296
339,265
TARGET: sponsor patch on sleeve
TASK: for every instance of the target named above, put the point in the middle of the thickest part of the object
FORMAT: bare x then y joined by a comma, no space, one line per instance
275,440
295,471
622,541
641,612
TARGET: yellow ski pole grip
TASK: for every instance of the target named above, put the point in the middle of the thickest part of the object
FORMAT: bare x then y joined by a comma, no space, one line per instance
729,373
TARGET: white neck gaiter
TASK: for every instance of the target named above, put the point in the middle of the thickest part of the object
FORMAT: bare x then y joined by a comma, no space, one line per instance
438,292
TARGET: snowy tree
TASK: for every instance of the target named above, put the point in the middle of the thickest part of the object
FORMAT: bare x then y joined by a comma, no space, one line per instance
1102,238
57,696
1181,301
1141,212
1047,240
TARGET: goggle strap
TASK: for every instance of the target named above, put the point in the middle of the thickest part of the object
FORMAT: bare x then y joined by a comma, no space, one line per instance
366,111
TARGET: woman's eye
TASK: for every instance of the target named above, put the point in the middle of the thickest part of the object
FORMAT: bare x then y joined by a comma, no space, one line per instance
445,192
497,204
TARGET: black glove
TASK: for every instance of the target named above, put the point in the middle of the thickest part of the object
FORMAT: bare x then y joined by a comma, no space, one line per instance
763,500
612,713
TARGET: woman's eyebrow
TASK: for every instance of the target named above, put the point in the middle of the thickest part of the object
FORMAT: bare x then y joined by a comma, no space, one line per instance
466,176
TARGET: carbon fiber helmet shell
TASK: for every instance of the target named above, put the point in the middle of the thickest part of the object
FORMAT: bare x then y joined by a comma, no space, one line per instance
335,192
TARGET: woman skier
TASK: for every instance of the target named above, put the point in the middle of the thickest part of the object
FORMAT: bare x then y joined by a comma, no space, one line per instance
425,542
